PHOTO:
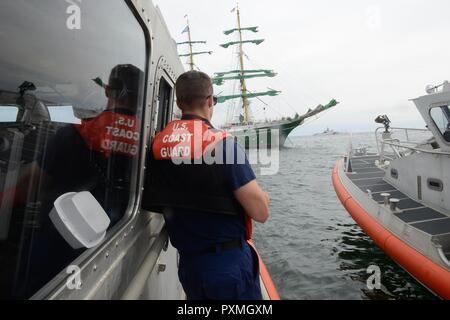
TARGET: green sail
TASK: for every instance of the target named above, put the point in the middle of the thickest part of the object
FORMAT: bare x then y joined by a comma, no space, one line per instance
221,74
226,45
222,99
195,53
218,81
191,42
253,29
320,108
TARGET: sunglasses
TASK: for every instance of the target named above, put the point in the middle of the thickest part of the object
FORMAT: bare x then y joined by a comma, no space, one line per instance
215,100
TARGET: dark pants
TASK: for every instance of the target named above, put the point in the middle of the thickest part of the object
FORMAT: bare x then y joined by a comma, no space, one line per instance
224,275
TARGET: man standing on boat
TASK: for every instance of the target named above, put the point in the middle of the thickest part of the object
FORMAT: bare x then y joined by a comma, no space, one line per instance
208,207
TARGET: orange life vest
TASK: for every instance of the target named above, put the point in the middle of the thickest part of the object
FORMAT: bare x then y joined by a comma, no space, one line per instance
190,140
186,139
111,133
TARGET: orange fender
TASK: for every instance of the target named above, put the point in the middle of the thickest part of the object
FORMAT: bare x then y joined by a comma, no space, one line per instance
265,276
432,275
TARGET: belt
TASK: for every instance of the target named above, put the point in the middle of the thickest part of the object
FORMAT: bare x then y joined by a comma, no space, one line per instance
224,246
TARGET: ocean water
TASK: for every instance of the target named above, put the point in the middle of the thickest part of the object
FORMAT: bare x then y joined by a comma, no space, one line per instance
311,246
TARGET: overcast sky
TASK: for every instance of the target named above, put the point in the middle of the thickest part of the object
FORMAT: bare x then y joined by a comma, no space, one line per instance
372,56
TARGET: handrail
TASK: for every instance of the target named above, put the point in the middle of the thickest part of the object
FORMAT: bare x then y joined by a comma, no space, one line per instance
397,144
442,255
397,128
416,149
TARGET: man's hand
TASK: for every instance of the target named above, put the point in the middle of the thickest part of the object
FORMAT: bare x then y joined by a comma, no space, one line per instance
254,201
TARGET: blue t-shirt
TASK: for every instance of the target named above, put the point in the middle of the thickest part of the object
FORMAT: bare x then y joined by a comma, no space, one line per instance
195,231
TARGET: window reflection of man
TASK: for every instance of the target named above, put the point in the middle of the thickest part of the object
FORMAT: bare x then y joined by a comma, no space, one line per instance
113,138
96,156
80,157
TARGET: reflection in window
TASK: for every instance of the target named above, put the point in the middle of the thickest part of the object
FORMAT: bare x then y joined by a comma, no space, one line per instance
70,108
441,117
8,113
63,114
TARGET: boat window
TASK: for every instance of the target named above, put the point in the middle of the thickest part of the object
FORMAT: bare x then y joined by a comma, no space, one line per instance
71,98
63,114
247,142
394,173
441,118
435,184
8,113
164,104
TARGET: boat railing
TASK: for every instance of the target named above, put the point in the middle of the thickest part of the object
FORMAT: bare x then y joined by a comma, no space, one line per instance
442,254
401,142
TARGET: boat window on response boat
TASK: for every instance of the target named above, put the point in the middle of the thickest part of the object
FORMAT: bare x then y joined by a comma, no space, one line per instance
68,116
441,117
8,113
165,97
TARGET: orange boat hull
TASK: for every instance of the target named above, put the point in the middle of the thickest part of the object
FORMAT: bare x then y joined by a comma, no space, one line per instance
430,274
265,276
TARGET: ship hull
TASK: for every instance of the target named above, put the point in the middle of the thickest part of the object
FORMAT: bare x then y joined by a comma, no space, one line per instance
265,136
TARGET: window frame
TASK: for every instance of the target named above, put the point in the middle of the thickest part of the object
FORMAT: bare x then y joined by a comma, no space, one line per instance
440,106
58,283
133,206
161,73
168,113
394,173
10,106
439,182
51,108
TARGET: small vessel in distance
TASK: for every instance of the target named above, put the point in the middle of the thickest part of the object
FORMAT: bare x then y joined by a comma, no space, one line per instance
400,196
327,132
248,131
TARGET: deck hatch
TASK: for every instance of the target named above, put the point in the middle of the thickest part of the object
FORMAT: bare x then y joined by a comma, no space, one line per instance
408,204
378,188
362,165
417,215
434,227
368,182
368,170
369,175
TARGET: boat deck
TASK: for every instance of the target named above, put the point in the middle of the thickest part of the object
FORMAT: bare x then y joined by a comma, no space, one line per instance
367,176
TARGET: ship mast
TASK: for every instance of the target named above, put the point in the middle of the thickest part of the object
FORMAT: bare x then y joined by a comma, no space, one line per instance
245,103
191,53
242,74
191,56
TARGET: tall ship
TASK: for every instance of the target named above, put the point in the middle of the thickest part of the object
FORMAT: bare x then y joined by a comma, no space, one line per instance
400,195
241,121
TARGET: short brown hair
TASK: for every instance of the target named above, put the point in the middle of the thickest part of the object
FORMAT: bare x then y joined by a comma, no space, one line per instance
192,88
125,81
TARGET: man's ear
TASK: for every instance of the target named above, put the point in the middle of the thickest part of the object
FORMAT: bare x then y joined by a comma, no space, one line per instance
108,91
210,102
180,105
